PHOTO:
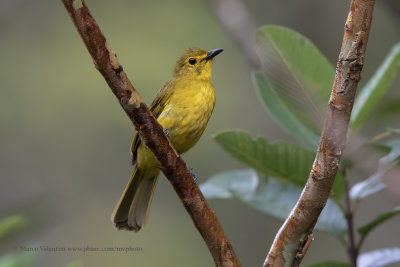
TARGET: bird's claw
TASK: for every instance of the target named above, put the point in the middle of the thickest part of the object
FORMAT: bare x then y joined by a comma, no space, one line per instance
167,133
193,175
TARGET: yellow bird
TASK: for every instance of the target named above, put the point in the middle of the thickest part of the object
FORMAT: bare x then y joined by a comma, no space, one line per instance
183,107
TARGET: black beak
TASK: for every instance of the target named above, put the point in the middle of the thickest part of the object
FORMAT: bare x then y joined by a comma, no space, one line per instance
212,54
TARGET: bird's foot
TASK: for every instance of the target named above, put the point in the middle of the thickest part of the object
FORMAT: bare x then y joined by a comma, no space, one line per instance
193,175
167,133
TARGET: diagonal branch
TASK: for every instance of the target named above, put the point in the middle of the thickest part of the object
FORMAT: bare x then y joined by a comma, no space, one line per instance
152,134
293,239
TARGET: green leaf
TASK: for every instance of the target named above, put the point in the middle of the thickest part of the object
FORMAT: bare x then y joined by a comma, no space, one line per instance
376,87
366,229
229,184
374,183
303,63
393,145
279,111
329,264
270,196
280,160
378,258
11,225
298,71
368,187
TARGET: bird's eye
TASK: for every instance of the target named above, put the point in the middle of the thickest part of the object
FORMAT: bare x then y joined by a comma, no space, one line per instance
192,61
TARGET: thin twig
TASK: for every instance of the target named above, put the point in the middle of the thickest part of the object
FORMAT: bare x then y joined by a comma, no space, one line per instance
301,221
352,250
152,134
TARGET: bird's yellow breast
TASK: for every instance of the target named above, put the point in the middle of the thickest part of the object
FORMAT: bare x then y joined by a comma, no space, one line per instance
187,112
188,108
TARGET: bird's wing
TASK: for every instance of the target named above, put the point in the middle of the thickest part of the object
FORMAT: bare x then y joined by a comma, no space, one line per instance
156,108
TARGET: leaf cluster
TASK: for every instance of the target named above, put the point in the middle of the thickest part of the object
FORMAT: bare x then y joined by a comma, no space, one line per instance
294,85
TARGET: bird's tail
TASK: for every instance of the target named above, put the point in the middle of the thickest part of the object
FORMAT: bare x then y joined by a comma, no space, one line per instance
133,208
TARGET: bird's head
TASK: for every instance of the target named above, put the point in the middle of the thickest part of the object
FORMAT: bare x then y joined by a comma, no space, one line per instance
196,63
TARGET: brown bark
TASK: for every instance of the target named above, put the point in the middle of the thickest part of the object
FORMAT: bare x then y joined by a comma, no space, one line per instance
292,240
152,135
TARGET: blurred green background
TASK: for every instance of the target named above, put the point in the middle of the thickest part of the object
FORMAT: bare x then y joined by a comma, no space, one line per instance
64,157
